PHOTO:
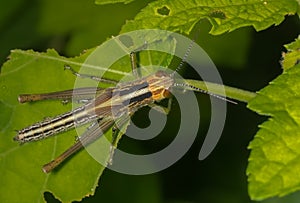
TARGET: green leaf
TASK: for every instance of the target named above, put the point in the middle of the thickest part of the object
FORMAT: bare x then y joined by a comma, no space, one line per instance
274,162
33,72
103,2
292,57
224,15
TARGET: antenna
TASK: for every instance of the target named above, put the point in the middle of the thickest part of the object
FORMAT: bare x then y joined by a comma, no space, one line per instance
187,53
184,85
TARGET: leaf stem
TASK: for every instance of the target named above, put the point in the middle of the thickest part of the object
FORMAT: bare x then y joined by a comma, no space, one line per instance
230,92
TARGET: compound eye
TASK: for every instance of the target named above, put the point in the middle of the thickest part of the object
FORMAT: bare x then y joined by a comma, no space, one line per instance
161,73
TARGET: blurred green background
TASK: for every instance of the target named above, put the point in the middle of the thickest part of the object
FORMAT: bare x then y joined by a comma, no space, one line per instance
245,58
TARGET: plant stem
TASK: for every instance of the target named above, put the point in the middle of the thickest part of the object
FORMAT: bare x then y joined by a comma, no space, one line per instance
230,92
